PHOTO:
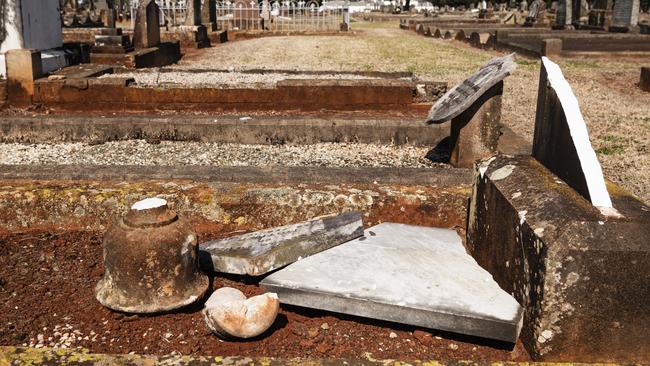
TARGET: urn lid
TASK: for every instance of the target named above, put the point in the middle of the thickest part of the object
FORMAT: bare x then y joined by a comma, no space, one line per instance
150,212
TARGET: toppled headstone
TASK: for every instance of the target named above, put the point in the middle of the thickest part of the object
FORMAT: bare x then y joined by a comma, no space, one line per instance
230,315
262,251
407,274
561,141
474,107
461,96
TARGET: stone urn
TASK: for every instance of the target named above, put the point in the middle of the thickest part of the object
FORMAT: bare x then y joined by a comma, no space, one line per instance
150,260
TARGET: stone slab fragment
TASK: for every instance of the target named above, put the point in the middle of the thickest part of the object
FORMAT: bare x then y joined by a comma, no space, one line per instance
408,274
263,251
581,276
561,141
463,95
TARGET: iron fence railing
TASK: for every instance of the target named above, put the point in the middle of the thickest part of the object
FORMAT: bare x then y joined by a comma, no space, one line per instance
255,16
278,16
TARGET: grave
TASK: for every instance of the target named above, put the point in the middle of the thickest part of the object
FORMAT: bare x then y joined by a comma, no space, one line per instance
474,108
625,16
554,241
31,28
148,50
408,274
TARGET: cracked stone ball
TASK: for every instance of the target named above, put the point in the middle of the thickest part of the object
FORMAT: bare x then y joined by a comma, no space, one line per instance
230,315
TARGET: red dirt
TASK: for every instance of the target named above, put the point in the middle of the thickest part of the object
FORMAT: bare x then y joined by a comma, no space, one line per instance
46,287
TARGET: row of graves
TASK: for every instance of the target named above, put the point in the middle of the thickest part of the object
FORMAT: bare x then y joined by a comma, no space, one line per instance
501,246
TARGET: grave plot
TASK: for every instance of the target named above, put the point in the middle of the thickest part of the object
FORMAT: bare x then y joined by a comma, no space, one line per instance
341,226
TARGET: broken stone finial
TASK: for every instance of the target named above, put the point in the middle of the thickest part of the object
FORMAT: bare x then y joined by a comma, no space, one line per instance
230,315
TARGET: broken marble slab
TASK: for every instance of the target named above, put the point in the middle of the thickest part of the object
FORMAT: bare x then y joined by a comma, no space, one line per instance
263,251
407,274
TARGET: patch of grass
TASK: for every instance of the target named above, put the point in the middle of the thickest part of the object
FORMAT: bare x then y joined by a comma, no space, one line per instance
611,150
527,63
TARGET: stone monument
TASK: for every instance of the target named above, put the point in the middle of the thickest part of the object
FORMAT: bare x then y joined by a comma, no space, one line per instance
561,141
625,15
474,108
147,25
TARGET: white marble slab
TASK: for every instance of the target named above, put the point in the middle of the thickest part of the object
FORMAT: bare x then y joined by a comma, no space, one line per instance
407,274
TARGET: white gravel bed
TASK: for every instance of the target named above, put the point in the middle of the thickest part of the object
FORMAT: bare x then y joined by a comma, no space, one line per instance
154,77
168,153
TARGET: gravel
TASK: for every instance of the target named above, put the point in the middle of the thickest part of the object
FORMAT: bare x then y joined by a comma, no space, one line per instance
168,153
216,79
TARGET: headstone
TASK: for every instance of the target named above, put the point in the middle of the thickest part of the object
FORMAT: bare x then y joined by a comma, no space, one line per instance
147,25
208,11
463,95
29,24
193,12
262,251
523,6
407,274
564,15
626,13
561,141
474,108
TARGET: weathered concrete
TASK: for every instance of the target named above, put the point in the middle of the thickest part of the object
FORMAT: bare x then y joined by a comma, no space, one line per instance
551,47
224,129
161,55
581,277
34,197
644,82
407,274
561,140
23,68
262,251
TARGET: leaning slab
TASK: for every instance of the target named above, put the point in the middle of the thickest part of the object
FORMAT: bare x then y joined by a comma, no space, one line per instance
408,274
561,142
263,251
463,95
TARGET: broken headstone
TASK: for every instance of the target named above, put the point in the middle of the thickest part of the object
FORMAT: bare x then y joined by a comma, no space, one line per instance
461,96
407,274
262,251
474,107
561,141
230,315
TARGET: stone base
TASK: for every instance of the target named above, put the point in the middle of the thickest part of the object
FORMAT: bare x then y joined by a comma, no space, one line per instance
162,55
188,36
581,277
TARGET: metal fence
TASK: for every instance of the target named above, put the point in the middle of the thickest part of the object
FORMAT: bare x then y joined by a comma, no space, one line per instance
255,16
278,16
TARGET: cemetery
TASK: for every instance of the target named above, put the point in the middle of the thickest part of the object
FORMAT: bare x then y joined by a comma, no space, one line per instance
315,183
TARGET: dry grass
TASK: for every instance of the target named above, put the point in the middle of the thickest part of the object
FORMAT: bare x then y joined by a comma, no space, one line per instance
616,110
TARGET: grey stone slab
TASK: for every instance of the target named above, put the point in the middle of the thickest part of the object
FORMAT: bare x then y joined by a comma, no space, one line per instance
463,95
561,140
401,273
263,251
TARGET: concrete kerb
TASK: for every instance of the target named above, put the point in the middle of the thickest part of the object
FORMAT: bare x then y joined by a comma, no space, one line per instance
33,356
224,129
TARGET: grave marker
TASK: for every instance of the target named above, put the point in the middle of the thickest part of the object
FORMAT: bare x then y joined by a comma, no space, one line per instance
474,108
147,25
561,140
626,14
